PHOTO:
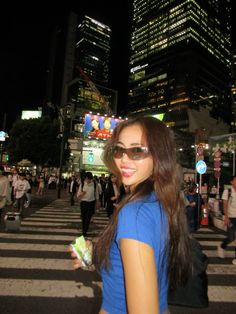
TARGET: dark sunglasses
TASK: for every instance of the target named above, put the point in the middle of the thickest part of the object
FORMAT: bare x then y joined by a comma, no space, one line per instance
134,153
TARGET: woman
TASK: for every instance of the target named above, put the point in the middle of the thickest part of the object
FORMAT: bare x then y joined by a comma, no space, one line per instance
111,194
145,247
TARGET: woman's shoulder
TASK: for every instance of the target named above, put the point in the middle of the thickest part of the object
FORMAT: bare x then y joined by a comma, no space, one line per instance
146,204
141,219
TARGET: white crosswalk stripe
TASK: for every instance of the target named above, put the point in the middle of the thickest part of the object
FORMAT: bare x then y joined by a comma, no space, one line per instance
34,261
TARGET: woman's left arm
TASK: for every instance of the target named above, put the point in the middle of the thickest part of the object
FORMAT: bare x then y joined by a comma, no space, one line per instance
140,277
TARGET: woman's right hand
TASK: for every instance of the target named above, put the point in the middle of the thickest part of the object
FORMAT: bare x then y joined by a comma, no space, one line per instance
77,263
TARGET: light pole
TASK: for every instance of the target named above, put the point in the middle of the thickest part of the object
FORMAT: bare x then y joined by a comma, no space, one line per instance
62,114
61,164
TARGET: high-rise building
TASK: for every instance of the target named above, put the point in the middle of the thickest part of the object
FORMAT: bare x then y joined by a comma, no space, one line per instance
89,91
233,91
93,49
180,58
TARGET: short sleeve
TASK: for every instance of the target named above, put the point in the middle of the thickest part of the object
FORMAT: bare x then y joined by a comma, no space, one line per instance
225,195
137,221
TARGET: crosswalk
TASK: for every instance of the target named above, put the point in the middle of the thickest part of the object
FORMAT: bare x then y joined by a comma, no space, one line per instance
36,273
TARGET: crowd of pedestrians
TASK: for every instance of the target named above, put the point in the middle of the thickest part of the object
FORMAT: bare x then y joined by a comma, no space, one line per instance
87,191
17,186
91,192
147,238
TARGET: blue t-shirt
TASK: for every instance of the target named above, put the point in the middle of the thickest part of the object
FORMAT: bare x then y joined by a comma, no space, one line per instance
145,221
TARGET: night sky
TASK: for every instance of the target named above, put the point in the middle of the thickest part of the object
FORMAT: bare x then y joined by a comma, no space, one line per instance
25,47
24,54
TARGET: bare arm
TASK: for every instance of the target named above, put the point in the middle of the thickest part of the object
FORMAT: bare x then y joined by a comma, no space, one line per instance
140,277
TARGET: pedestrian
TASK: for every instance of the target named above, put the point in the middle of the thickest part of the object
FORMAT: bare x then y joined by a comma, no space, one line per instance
14,178
41,185
145,246
73,187
103,183
112,193
5,191
89,200
29,192
21,187
99,189
194,207
229,207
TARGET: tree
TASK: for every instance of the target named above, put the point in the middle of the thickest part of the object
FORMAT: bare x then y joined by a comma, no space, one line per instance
37,140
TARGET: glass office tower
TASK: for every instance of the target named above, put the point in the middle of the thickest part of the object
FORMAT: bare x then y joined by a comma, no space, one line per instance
89,91
233,92
180,58
93,49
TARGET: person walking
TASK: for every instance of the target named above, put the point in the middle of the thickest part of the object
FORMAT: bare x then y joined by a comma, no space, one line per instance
21,187
112,194
103,183
14,178
89,199
41,185
194,207
29,192
5,191
145,248
73,187
229,207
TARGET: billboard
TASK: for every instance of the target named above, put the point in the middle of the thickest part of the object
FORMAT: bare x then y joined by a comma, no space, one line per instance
92,156
99,127
3,136
31,114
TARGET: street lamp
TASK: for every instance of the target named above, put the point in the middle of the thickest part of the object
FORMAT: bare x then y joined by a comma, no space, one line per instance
63,116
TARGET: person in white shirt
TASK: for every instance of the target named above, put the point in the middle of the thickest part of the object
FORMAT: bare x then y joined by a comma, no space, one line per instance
229,205
14,178
5,193
89,197
20,189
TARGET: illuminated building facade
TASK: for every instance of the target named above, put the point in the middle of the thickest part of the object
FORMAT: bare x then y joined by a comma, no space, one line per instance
233,91
90,93
180,58
93,49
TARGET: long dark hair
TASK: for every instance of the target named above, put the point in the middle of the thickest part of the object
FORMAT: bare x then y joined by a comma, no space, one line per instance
165,182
